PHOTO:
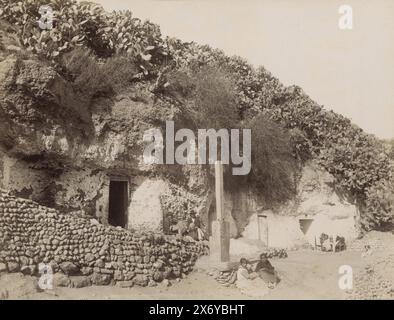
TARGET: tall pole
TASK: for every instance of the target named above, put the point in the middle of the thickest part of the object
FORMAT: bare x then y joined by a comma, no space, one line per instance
220,239
219,190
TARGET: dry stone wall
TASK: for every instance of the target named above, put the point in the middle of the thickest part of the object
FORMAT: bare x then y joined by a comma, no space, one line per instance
82,252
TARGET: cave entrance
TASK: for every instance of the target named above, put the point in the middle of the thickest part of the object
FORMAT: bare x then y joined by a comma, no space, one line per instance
118,200
305,224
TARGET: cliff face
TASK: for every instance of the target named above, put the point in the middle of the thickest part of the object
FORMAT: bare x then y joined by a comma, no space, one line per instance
317,208
42,115
63,151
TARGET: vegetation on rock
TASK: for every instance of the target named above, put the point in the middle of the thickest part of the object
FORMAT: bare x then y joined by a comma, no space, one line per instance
211,88
274,166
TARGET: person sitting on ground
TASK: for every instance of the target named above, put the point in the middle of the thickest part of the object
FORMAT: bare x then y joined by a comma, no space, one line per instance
249,282
340,243
266,271
326,242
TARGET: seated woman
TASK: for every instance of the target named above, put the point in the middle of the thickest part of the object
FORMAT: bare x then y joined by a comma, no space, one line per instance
266,271
249,282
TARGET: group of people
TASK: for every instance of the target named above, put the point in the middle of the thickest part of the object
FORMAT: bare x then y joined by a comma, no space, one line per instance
253,279
332,243
256,281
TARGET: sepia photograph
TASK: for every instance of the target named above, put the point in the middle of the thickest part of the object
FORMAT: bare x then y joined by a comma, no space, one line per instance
195,150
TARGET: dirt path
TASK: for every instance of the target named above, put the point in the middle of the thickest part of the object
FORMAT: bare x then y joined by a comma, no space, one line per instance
305,275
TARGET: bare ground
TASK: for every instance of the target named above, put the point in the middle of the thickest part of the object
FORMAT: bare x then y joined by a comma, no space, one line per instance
305,274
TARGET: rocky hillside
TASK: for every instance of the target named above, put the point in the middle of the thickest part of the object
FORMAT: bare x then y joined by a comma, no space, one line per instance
75,100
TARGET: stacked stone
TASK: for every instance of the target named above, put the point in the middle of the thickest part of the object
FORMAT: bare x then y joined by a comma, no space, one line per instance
82,252
275,253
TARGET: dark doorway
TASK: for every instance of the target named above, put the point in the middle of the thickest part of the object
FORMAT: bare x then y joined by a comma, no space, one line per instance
305,224
118,200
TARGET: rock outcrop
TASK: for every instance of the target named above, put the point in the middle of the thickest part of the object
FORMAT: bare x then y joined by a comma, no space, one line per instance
61,150
317,208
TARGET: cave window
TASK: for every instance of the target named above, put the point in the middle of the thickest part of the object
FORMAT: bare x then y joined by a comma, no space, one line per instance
305,224
118,203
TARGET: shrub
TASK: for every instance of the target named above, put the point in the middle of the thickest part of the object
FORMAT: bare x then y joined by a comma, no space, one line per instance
180,83
379,211
88,24
85,73
214,100
302,147
273,165
389,144
356,159
120,71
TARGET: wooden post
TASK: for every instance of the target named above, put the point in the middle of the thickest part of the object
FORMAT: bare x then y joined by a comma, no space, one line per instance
220,239
219,190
